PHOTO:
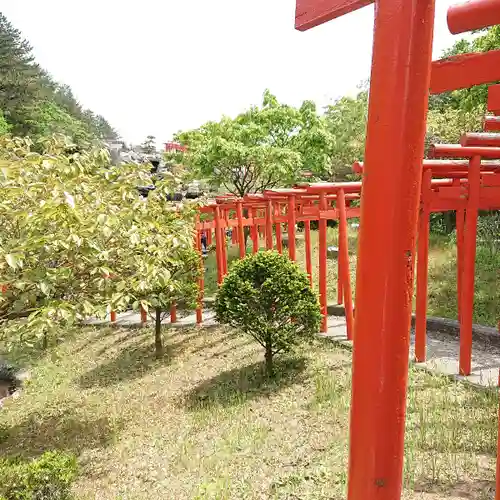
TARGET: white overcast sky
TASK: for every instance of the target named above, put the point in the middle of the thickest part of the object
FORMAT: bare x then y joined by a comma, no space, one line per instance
157,66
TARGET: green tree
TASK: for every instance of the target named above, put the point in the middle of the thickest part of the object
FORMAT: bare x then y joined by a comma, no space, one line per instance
346,121
4,126
447,125
262,148
149,145
33,103
267,296
76,239
48,119
18,77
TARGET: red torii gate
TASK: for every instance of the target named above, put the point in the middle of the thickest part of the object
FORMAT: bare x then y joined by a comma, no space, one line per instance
400,82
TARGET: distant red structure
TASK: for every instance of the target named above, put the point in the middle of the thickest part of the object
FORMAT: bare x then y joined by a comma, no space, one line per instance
174,146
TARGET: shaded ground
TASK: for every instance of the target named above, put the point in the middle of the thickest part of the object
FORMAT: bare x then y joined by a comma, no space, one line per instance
204,423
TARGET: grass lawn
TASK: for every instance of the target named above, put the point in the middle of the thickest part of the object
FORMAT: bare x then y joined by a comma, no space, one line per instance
442,294
203,423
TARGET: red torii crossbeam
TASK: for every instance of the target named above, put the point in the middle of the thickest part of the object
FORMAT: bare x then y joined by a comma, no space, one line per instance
464,71
311,13
474,14
494,99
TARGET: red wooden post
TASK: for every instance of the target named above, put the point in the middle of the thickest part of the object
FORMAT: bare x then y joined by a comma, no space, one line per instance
323,298
340,291
241,231
391,190
173,313
344,252
144,315
277,225
291,228
254,234
460,257
422,269
112,313
269,225
219,241
224,244
494,99
208,233
201,281
307,230
467,305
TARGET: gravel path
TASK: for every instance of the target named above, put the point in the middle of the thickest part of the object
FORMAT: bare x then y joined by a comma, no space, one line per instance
442,354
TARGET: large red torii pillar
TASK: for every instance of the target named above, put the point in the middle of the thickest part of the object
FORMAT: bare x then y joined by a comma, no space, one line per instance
399,86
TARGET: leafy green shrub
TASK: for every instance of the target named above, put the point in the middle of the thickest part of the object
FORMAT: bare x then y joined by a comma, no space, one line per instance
46,478
91,243
268,297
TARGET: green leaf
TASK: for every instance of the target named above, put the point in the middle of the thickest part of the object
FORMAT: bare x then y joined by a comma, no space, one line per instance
13,260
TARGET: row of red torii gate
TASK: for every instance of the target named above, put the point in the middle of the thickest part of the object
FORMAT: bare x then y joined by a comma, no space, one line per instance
465,186
398,193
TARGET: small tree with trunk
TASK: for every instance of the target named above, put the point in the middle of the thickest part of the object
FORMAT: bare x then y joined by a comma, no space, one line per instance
268,297
264,147
168,278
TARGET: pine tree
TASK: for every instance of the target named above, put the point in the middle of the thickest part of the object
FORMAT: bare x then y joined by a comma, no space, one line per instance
33,103
149,145
18,77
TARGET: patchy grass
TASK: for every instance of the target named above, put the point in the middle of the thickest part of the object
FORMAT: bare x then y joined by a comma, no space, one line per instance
442,291
443,283
205,423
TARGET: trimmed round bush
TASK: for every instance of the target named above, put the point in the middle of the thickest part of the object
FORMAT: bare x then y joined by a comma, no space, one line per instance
267,296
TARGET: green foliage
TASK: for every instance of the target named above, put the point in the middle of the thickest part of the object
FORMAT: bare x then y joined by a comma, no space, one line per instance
447,125
33,103
76,239
48,477
49,119
149,145
346,121
268,297
262,148
4,126
442,223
